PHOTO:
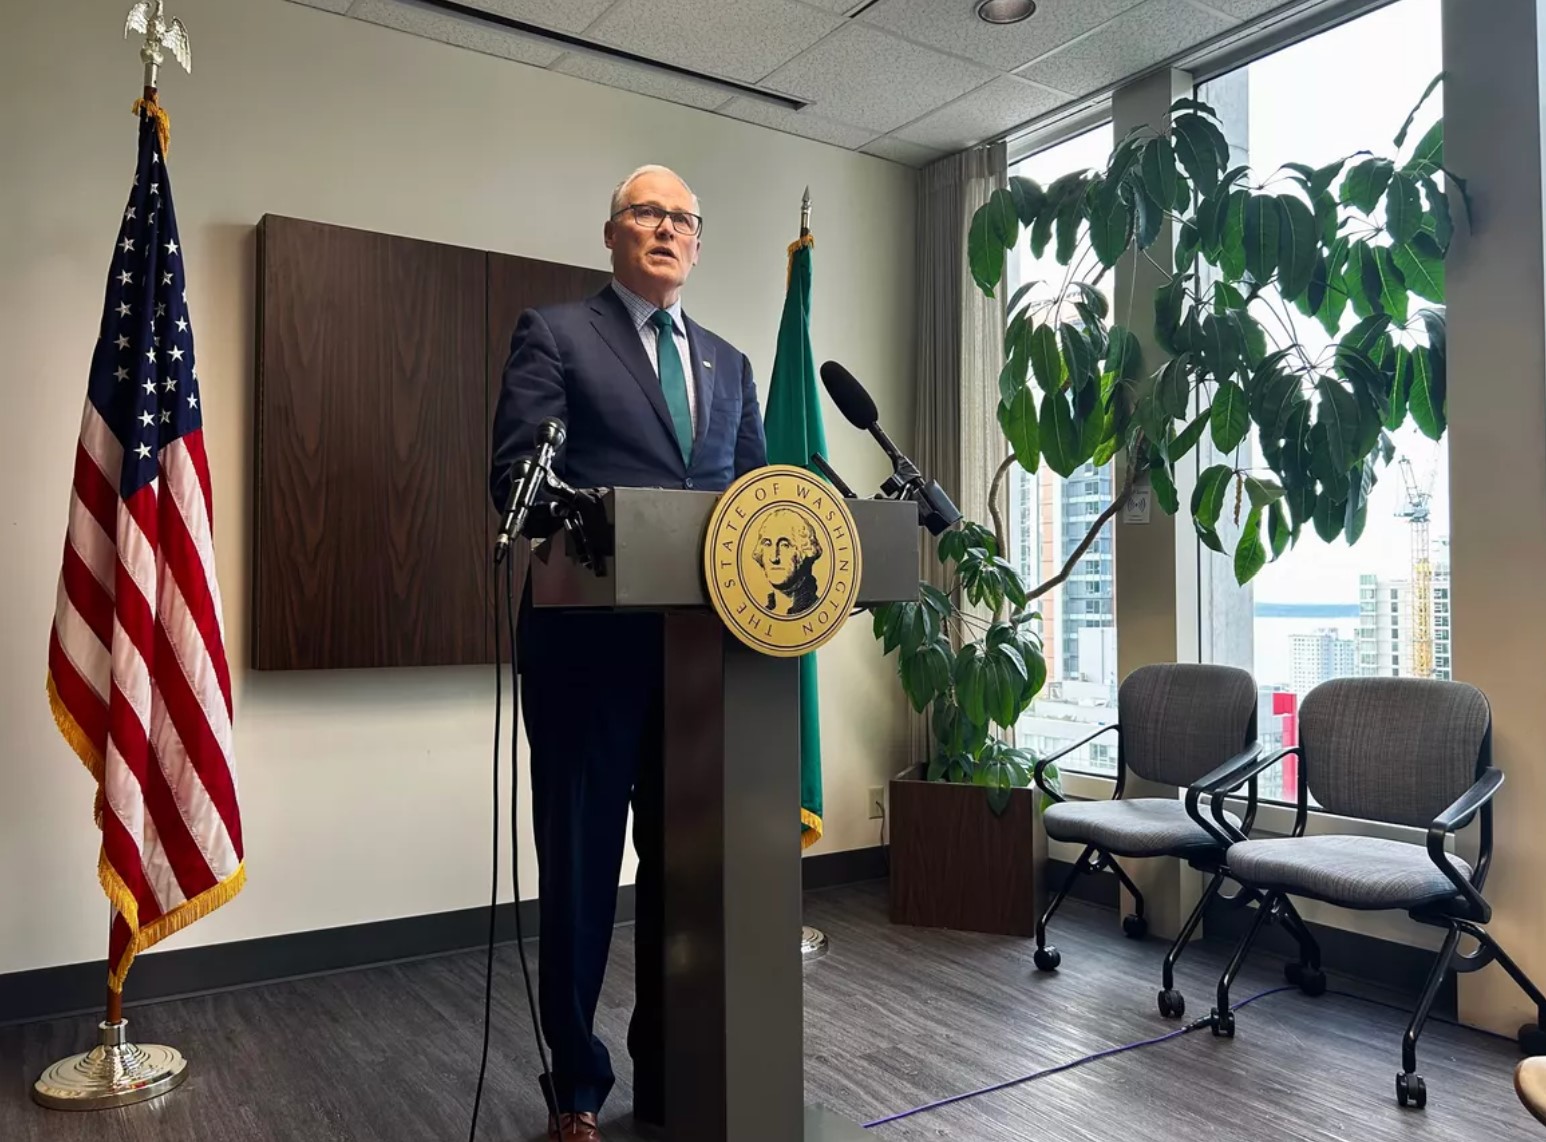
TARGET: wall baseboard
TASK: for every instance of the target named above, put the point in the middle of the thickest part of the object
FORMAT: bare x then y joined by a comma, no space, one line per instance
76,989
1394,966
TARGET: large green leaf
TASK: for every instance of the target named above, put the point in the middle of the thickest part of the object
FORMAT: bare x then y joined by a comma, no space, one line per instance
1060,436
1423,274
1195,149
1164,489
984,253
1412,115
971,682
1321,180
1438,211
1428,158
1393,293
1250,555
1174,389
1356,512
1159,169
1188,437
1186,247
1297,246
1046,360
1274,401
1366,182
1111,224
1187,103
1078,356
1124,356
1337,412
1362,279
1220,346
1314,296
1261,236
1395,415
1148,215
1330,515
1212,212
1017,418
1403,209
1029,199
1208,495
1278,531
1168,300
1262,492
1070,213
1094,299
1003,222
1041,230
1232,249
1231,417
1427,392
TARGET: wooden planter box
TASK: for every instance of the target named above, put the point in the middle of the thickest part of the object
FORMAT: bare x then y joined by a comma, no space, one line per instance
956,865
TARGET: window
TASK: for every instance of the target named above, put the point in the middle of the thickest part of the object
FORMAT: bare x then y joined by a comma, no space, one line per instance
1049,516
1298,614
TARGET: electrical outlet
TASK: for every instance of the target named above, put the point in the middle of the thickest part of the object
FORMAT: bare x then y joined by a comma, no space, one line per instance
877,802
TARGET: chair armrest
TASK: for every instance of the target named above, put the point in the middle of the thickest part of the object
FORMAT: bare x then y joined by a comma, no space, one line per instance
1041,766
1457,816
1244,766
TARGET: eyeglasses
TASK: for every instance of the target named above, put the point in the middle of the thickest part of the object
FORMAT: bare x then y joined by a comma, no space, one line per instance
649,216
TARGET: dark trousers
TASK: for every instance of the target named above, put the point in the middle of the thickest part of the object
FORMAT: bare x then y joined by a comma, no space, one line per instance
592,691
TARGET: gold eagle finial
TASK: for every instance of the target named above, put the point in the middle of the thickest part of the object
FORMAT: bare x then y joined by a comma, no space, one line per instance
148,18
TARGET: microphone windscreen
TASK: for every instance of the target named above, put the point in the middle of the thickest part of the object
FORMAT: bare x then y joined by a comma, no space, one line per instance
552,431
848,394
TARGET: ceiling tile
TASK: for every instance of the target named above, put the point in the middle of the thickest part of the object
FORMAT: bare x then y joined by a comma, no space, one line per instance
326,5
841,7
738,39
955,28
452,30
801,123
643,80
1133,43
900,151
565,15
1006,102
862,75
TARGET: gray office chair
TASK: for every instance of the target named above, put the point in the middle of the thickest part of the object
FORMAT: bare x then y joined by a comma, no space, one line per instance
1180,725
1404,751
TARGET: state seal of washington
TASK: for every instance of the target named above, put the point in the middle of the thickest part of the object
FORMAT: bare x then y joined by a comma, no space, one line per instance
781,559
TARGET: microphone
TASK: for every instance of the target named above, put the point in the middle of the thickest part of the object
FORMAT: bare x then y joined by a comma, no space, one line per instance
528,478
935,510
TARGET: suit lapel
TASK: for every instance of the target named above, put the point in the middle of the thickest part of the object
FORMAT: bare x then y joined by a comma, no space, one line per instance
615,326
704,362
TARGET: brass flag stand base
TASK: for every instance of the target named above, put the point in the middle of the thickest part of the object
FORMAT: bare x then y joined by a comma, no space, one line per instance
813,944
113,1073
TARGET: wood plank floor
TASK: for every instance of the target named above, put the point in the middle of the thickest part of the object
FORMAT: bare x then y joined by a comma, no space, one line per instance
895,1018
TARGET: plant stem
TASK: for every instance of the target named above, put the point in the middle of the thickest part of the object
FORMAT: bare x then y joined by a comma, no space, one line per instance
1089,536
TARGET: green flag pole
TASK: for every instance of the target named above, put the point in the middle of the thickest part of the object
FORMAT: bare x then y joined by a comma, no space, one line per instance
795,432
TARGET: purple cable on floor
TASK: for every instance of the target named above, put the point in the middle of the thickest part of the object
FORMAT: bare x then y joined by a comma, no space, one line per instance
1061,1067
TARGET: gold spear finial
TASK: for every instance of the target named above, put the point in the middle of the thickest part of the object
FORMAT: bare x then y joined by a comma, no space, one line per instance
805,213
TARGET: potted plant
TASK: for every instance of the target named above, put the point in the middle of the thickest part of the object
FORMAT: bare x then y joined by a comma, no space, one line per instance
1357,245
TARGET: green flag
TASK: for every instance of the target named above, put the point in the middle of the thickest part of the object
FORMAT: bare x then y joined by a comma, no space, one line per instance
793,423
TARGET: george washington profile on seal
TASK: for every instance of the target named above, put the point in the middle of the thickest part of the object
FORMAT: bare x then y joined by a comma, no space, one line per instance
787,548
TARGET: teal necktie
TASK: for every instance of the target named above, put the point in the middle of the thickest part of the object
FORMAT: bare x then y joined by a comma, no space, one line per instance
673,381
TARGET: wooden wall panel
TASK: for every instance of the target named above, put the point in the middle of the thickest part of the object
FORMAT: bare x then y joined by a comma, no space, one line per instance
369,506
516,284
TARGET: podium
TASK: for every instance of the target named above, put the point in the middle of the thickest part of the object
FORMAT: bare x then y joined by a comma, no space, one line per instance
734,1014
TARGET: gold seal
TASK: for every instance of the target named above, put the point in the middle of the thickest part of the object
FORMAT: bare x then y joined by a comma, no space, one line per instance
781,559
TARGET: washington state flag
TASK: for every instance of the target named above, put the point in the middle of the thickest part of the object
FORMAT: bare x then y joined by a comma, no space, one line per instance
793,423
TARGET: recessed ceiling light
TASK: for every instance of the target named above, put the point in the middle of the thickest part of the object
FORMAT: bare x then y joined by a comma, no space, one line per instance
1005,11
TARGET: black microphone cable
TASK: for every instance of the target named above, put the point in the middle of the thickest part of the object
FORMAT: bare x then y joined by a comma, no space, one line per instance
513,600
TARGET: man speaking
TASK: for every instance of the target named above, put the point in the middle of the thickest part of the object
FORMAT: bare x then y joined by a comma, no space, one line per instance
650,399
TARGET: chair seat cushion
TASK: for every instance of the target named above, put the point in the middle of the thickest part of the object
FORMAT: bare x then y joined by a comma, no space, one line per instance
1352,872
1143,826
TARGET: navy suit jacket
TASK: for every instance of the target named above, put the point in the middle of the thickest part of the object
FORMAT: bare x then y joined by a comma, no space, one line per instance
584,364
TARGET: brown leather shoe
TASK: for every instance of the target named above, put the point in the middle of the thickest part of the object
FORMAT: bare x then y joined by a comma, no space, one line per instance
574,1127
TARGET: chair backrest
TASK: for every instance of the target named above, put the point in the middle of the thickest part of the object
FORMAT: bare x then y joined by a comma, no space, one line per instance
1180,721
1399,750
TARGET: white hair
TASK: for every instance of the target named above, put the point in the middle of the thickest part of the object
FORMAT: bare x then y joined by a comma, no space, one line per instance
648,168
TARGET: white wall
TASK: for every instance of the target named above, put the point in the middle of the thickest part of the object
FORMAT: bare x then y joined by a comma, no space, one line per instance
365,794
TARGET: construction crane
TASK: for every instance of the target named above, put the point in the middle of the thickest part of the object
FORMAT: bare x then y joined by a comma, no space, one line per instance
1417,511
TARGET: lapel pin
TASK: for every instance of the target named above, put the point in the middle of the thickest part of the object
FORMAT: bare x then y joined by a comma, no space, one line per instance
707,364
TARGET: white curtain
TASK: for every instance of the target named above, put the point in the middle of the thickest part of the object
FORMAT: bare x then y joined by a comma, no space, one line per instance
960,350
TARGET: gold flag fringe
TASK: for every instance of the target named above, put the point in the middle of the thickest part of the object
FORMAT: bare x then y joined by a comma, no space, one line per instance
163,120
811,833
113,885
804,242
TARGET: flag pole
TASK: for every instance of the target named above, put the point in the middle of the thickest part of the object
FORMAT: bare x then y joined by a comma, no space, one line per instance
117,1072
813,941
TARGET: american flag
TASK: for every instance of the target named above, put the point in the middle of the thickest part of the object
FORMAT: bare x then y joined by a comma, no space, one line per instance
137,672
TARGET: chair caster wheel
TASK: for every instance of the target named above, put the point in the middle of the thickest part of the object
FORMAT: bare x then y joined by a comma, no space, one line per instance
1223,1024
1172,1004
1411,1091
1047,959
1312,981
1135,927
1532,1039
